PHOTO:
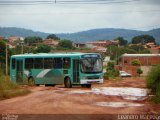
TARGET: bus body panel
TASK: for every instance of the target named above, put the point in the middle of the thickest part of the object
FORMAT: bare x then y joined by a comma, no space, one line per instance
52,75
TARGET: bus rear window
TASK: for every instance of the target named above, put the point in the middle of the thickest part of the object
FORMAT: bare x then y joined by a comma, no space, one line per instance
13,63
29,63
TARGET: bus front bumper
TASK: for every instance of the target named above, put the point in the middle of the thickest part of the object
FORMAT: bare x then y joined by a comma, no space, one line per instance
89,81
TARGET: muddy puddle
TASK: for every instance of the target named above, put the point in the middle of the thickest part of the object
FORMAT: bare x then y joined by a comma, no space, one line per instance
118,104
128,93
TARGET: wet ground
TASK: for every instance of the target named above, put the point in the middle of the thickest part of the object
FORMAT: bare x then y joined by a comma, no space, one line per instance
127,96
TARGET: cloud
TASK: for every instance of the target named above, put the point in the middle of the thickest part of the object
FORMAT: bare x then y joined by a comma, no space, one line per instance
58,18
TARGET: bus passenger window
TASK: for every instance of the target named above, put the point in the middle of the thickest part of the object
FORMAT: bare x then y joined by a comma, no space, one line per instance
38,63
48,63
29,63
66,63
58,63
13,63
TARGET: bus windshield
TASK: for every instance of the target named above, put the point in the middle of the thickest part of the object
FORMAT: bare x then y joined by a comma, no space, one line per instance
91,65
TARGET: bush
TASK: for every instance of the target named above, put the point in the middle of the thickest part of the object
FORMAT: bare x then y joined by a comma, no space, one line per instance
110,70
139,71
153,82
105,76
136,62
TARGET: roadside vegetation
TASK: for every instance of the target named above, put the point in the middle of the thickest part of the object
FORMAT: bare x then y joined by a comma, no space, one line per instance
153,83
110,71
9,89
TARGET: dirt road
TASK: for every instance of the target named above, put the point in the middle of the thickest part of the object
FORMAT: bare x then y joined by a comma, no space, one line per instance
77,100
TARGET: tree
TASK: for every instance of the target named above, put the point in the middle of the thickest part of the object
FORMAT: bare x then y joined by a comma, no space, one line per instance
153,82
110,70
135,62
18,49
139,48
32,39
139,71
2,52
53,36
43,49
110,66
115,52
122,41
65,44
143,39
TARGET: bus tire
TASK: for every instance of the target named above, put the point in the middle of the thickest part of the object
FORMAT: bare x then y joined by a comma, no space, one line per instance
88,85
67,83
49,85
31,81
83,85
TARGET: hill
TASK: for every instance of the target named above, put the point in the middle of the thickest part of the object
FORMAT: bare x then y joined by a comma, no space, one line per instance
21,32
90,35
109,34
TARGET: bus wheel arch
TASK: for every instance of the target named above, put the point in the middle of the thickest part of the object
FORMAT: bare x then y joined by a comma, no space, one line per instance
67,82
31,81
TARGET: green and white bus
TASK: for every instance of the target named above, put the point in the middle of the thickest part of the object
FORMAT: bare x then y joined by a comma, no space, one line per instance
57,68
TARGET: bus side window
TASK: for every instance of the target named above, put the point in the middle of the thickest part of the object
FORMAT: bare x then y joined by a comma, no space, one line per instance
58,63
29,63
13,63
66,63
48,63
38,63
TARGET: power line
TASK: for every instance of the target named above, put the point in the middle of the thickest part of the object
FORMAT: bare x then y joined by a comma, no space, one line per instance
15,2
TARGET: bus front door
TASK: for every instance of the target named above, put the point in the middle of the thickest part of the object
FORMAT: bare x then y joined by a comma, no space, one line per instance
75,71
19,69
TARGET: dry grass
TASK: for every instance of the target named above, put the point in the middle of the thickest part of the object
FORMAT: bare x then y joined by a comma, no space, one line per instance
9,89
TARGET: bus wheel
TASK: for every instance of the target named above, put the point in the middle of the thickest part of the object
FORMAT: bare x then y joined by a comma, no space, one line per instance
88,85
83,85
48,85
31,81
67,83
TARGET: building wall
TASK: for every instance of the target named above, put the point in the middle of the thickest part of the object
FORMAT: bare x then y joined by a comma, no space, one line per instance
133,69
129,69
145,60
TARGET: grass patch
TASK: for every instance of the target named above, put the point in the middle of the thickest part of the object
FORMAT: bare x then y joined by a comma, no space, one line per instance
9,89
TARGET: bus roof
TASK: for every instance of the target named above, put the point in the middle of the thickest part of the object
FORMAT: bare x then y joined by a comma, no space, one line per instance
74,54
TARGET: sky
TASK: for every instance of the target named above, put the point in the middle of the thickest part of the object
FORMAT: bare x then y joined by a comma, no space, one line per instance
68,16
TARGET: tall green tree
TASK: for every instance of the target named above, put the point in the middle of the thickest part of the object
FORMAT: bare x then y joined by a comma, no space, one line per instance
115,52
122,41
143,39
53,36
43,49
2,52
65,44
139,48
32,39
26,49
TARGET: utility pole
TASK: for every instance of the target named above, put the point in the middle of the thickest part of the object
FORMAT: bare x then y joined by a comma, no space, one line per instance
55,1
6,59
22,47
22,44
